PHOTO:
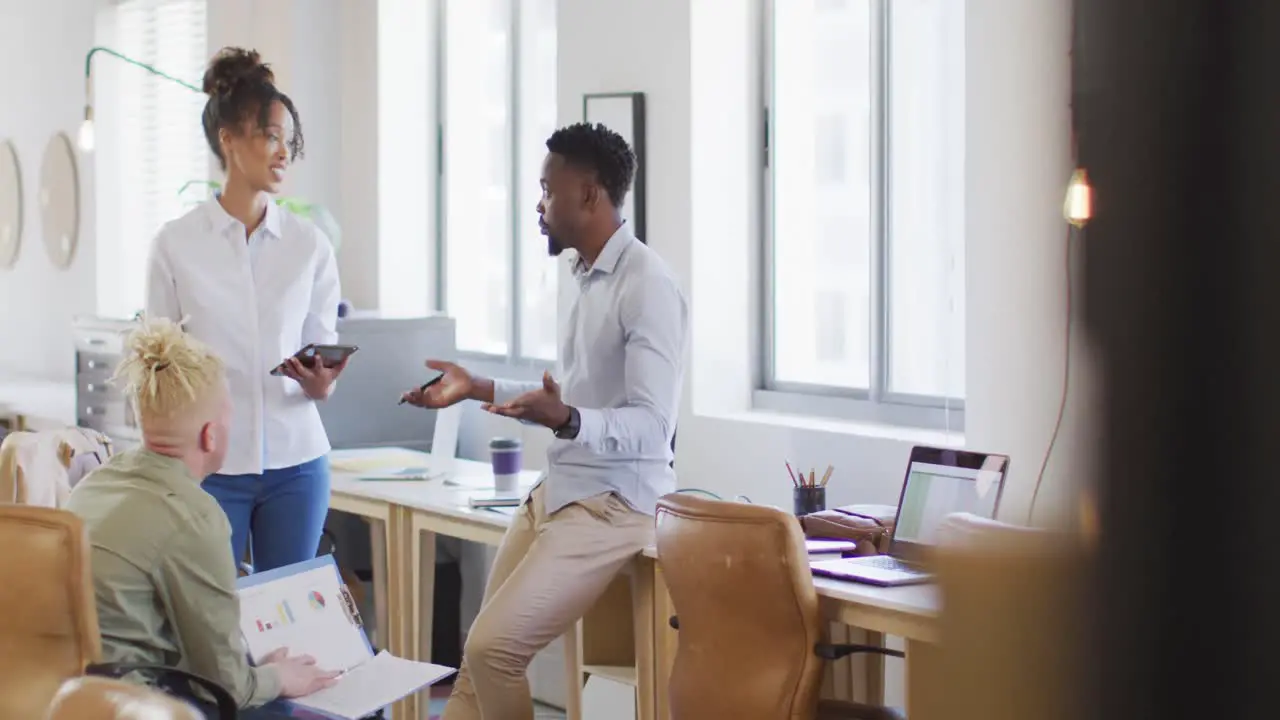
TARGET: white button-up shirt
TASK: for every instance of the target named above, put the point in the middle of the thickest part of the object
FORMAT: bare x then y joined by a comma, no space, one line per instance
622,357
253,303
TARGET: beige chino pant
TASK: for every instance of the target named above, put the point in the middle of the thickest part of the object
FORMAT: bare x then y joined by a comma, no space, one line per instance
549,571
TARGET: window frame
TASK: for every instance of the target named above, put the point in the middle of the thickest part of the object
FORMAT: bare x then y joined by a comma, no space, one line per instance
878,403
515,345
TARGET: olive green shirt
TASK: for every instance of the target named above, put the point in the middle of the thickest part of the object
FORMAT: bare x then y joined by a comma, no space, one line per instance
163,576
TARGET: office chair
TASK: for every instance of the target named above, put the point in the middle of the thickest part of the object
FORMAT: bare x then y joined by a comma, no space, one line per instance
40,468
48,622
673,447
171,680
1014,602
103,699
750,630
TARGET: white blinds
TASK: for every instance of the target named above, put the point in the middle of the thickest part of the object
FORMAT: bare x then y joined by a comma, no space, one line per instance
158,143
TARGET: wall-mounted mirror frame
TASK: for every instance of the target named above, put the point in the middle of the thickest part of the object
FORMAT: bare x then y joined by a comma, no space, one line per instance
60,201
10,205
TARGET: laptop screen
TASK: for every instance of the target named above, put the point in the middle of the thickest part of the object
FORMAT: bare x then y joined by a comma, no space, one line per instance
934,491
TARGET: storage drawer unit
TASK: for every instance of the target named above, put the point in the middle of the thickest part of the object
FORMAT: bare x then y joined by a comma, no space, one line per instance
100,405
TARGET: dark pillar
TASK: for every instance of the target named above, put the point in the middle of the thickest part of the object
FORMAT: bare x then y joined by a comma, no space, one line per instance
1178,122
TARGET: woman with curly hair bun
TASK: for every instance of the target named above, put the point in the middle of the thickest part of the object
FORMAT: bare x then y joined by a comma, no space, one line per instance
255,284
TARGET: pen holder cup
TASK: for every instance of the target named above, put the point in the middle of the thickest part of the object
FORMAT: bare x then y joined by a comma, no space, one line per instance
809,500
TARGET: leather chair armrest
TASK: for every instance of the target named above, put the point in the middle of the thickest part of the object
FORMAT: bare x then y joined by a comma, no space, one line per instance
832,651
841,710
228,708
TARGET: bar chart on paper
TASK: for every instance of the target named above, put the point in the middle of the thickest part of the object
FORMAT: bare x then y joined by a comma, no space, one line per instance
283,615
305,614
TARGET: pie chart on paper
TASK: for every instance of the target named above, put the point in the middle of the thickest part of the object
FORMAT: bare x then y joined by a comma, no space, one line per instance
316,600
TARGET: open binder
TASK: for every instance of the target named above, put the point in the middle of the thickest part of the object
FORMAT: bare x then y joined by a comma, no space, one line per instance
309,610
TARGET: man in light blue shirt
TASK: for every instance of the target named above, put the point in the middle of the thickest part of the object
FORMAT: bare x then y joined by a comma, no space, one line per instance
613,413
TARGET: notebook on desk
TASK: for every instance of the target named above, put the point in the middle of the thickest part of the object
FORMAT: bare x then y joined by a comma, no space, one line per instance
494,500
939,483
306,608
829,546
398,464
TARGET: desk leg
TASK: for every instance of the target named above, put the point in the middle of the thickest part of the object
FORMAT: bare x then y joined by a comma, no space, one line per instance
875,670
387,553
642,610
422,565
378,553
664,641
573,672
922,673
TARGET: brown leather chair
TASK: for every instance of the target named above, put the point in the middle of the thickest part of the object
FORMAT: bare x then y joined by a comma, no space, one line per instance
750,630
93,698
48,622
1013,606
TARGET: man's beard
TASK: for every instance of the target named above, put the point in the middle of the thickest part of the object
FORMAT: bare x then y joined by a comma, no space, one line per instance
554,248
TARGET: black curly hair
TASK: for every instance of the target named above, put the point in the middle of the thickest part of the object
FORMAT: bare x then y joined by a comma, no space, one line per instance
240,86
597,149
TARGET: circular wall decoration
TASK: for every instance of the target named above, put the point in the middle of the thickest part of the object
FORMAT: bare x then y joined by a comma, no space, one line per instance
10,205
60,201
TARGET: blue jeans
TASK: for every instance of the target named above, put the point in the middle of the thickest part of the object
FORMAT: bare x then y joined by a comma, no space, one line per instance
282,510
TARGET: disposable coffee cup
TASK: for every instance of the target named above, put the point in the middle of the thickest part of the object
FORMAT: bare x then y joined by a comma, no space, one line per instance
505,453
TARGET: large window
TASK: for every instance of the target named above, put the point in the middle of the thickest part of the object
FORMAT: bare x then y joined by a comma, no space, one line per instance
498,106
150,142
865,239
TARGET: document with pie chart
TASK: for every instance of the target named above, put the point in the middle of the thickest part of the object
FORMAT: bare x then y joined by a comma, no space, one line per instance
307,609
303,609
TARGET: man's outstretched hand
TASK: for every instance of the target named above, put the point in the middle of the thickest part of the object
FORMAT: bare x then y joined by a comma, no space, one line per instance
542,406
454,386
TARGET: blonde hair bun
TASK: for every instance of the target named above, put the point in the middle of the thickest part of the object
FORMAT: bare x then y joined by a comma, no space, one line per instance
164,369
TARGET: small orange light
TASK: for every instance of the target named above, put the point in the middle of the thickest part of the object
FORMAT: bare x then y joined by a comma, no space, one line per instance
1078,207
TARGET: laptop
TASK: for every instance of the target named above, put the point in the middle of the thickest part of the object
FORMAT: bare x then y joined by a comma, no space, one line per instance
939,482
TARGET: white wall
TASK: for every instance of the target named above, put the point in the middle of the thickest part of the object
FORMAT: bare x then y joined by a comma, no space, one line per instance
1018,162
42,48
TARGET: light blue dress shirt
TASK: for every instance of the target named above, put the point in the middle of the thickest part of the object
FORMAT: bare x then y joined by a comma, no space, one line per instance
622,358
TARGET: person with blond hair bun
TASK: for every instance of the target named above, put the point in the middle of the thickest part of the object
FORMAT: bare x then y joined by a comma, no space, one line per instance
164,584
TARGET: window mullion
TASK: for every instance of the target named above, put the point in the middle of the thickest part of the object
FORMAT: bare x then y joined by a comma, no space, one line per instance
441,188
880,185
513,153
768,308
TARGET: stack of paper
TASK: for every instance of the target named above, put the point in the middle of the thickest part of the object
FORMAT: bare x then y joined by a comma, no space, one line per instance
375,460
822,546
372,685
408,473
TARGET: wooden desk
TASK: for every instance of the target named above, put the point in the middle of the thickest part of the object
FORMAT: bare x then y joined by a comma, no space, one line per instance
626,637
416,512
909,612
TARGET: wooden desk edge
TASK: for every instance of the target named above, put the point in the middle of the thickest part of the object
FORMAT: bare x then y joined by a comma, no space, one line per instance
422,520
905,624
361,505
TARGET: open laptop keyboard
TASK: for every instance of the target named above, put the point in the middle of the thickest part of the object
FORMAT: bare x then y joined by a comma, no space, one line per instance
888,562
